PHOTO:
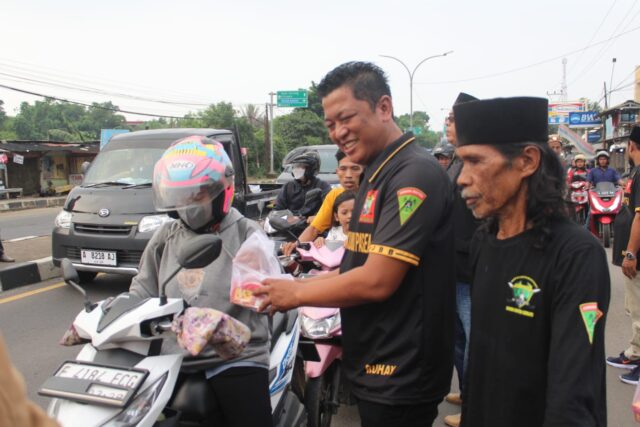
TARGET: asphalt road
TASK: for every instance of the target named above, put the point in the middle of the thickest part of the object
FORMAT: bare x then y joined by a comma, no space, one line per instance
29,222
33,318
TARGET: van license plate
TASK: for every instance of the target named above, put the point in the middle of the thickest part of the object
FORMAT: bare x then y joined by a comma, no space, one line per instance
98,257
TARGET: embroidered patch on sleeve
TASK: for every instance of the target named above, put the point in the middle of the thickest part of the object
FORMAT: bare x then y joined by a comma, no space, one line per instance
590,315
409,200
369,207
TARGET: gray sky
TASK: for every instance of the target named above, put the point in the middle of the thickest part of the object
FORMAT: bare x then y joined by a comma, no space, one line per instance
204,52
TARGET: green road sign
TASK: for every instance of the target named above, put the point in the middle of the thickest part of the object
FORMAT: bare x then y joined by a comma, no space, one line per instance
417,130
293,98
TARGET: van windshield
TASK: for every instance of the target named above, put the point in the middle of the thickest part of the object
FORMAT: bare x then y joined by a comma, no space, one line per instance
328,162
126,166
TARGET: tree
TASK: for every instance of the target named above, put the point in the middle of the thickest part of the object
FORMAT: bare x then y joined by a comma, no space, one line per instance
427,137
3,115
301,127
314,101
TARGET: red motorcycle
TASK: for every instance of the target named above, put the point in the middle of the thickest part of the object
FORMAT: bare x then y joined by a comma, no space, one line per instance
605,201
579,198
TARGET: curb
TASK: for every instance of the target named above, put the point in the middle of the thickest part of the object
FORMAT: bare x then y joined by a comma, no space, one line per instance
28,273
17,204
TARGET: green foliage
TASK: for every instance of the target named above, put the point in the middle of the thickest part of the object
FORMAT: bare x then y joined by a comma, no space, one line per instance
3,115
6,130
427,138
301,127
315,103
53,120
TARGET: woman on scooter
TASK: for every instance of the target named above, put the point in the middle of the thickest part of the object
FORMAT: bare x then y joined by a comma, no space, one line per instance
342,208
194,182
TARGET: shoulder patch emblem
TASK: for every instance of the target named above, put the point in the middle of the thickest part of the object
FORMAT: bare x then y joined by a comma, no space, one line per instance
409,200
369,207
590,316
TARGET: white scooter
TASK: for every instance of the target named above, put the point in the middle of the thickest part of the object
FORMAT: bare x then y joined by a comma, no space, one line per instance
119,378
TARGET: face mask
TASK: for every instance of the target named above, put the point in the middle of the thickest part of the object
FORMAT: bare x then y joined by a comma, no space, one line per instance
298,173
195,217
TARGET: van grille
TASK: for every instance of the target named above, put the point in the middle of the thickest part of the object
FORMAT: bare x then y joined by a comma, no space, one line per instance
119,230
122,256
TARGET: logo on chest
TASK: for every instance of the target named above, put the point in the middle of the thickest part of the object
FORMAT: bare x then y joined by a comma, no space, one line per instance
369,207
523,291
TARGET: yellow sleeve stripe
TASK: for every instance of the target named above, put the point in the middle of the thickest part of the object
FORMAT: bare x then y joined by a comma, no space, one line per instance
637,209
395,253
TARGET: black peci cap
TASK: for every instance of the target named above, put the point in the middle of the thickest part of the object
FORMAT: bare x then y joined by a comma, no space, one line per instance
502,121
464,97
635,134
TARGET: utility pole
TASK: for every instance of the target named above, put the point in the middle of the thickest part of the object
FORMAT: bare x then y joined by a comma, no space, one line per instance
564,97
271,94
267,140
411,74
606,102
613,66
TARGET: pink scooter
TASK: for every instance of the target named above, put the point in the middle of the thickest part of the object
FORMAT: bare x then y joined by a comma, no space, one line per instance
322,325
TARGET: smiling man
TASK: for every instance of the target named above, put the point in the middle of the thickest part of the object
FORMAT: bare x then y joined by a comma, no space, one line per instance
540,284
396,281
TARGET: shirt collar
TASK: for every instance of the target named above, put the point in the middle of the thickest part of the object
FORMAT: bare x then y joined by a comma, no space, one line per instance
387,154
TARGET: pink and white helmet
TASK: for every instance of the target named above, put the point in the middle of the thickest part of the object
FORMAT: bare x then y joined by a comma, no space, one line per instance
193,172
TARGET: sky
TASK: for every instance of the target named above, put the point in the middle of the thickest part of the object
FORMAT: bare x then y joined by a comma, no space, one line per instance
169,57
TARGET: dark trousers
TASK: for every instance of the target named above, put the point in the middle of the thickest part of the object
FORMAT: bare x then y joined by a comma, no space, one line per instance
379,415
242,396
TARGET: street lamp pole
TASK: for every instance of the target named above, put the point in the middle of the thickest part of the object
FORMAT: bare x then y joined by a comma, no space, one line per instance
411,74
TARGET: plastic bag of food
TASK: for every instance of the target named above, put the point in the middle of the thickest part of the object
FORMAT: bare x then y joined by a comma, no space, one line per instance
199,327
254,262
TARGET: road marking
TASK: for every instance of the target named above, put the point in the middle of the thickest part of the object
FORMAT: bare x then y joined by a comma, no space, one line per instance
18,239
29,293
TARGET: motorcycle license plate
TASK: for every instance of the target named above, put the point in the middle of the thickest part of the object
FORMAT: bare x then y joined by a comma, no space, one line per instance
98,257
92,383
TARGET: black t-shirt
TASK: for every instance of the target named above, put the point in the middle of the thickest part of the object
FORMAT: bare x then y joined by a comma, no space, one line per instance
464,225
400,351
624,219
537,340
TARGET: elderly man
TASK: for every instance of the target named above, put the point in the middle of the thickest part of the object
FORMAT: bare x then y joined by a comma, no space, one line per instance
396,282
629,225
349,177
540,284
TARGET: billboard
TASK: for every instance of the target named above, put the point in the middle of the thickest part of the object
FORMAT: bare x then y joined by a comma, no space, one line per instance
584,119
559,111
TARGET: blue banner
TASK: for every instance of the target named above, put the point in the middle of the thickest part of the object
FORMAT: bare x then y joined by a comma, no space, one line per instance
107,134
584,119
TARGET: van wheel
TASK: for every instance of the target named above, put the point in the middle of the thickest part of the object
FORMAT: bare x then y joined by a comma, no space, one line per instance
87,276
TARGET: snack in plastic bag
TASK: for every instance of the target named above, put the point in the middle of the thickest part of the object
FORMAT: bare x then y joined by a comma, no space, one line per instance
199,327
254,262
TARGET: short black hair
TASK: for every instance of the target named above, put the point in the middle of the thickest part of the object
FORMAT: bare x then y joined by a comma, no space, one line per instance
340,155
367,81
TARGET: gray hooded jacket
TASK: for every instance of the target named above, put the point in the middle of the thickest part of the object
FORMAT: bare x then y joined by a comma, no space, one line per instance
207,287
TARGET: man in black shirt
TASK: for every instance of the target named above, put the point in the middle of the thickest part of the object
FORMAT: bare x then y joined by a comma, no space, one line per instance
396,282
628,224
540,282
305,167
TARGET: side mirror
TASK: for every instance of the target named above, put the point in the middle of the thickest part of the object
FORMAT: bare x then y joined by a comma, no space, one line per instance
85,167
199,251
313,196
71,278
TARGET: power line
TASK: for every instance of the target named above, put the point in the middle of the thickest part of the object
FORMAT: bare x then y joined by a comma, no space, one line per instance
118,110
513,70
596,32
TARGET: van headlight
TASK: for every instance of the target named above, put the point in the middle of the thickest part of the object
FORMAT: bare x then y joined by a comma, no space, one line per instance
63,220
150,223
139,407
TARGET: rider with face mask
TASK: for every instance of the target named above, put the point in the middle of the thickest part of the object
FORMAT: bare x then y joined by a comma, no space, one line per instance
194,181
305,168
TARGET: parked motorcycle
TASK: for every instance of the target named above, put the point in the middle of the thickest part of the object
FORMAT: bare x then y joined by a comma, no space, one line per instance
119,378
579,198
605,201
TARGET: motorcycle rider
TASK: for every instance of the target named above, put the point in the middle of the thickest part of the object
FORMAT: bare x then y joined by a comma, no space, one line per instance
602,172
194,181
580,168
444,154
305,168
349,176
